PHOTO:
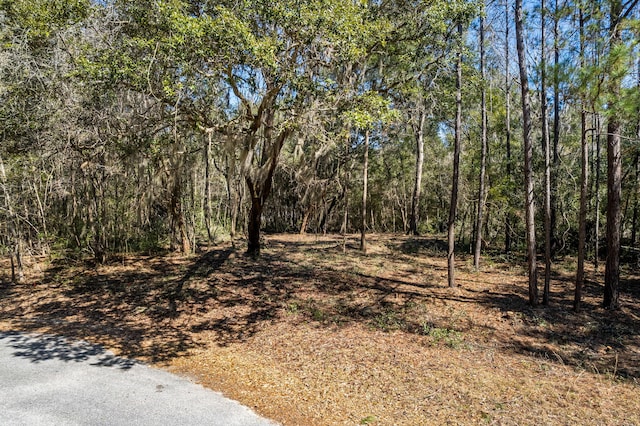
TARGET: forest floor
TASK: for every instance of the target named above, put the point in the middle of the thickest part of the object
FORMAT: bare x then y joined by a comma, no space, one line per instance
311,335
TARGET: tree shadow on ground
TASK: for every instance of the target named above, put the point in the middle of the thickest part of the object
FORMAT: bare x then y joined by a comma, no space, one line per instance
594,339
422,246
119,308
38,348
158,308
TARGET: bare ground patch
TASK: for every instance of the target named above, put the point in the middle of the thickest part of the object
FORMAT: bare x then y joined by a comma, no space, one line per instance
308,334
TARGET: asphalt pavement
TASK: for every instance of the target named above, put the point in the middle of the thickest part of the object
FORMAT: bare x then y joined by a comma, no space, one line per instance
50,380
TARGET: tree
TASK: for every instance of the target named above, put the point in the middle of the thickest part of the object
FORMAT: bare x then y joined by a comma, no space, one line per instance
528,159
456,167
547,159
417,185
507,125
617,70
483,141
636,204
553,202
365,183
367,112
33,102
584,169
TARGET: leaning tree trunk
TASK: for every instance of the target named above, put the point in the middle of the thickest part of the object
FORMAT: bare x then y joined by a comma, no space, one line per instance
528,160
305,219
453,206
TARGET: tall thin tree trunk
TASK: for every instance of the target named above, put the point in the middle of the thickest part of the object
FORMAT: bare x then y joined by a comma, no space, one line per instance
636,198
596,254
207,187
614,171
614,195
507,94
556,130
528,160
453,206
584,163
365,183
417,188
547,162
636,203
345,220
345,216
483,153
234,206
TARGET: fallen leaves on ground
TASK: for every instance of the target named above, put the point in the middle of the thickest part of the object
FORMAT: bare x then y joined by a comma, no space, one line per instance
310,334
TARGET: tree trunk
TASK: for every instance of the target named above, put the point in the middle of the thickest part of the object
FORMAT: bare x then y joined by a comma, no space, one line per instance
582,221
417,188
345,220
584,157
365,182
305,220
556,132
528,160
456,170
259,175
614,193
327,213
207,187
97,221
507,94
636,198
596,254
636,203
260,188
345,215
255,221
178,218
483,153
547,163
614,170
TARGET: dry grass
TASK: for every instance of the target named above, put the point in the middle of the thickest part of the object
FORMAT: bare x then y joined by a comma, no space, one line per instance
310,335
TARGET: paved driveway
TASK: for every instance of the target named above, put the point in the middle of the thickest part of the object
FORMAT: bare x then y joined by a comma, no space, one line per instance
48,380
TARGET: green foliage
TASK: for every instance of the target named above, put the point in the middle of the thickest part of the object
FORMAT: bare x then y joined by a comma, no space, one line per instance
113,100
40,19
370,109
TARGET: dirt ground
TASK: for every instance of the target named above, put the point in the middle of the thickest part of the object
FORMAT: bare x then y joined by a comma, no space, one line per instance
311,335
